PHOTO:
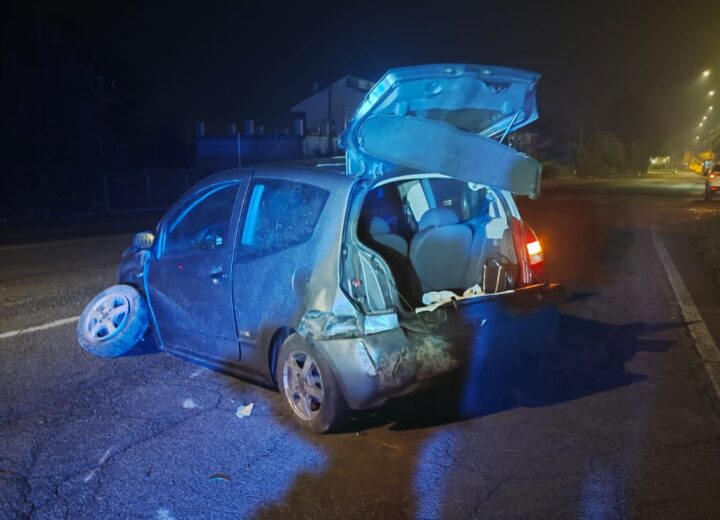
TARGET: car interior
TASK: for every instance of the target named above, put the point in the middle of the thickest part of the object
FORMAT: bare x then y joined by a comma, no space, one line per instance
439,234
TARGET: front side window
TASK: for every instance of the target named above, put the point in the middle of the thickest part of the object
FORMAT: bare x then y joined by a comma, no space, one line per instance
204,223
279,215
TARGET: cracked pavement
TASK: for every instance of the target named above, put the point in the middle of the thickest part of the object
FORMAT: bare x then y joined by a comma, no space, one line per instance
616,420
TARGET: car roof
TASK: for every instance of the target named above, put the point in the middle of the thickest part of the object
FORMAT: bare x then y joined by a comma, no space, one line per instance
327,172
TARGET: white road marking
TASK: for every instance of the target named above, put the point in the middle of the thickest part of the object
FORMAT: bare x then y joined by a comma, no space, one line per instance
102,461
56,323
105,457
704,342
50,243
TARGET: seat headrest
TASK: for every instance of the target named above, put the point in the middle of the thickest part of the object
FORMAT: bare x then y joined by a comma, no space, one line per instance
438,217
378,226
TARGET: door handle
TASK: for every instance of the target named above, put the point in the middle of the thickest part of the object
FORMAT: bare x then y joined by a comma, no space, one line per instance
217,275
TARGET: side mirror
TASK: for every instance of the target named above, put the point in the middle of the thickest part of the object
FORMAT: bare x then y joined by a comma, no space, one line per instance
143,240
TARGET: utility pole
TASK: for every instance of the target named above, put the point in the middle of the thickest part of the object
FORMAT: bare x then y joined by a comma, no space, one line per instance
237,144
580,143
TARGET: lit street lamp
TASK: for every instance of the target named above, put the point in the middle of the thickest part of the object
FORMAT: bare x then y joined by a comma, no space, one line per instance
711,93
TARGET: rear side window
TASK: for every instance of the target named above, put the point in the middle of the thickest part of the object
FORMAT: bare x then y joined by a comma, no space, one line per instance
204,223
279,215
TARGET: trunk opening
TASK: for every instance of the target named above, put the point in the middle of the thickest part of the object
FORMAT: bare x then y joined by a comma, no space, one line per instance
441,238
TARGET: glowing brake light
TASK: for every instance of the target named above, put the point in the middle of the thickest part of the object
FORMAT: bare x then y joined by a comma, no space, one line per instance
535,252
529,253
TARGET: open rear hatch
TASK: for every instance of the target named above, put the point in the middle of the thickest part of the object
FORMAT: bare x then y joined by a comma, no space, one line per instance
446,118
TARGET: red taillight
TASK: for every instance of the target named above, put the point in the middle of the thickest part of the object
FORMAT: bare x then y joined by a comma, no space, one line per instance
531,261
535,252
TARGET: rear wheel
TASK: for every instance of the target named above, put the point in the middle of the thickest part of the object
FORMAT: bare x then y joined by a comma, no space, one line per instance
113,322
309,385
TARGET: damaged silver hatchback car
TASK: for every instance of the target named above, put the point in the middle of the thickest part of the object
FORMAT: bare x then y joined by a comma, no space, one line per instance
348,282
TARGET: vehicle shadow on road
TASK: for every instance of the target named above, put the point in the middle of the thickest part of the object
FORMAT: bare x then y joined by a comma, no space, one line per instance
588,357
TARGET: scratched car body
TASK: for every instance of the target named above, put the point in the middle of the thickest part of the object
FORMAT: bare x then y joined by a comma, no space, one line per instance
350,281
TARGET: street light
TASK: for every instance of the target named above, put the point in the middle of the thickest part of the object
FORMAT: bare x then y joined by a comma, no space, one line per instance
711,93
697,137
700,124
704,118
706,73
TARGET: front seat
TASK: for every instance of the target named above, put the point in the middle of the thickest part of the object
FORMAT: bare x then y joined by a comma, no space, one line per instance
380,233
440,251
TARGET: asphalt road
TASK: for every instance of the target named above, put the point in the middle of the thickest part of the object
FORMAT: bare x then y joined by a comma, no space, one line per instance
618,420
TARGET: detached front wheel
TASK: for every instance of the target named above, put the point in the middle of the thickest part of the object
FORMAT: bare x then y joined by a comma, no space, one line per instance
113,322
306,380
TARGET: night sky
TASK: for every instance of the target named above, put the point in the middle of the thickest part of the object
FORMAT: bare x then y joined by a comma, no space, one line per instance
224,61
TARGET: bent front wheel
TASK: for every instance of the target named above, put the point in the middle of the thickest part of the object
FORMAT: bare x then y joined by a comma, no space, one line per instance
113,322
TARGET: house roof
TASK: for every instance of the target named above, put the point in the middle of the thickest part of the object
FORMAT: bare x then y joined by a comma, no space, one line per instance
349,82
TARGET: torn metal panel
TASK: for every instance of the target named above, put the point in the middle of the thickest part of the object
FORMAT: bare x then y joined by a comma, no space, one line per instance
316,324
430,344
375,367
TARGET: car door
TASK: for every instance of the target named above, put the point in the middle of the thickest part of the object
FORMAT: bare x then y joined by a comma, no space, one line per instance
446,118
189,280
277,246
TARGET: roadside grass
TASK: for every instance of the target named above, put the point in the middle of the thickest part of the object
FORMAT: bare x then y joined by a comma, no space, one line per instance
709,243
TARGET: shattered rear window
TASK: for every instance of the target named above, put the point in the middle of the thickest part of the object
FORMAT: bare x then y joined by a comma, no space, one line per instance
279,215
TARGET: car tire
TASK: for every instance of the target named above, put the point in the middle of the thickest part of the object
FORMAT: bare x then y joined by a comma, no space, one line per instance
317,403
113,322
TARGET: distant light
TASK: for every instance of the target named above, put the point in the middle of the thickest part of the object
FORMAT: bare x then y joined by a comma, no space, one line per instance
704,118
710,108
706,73
700,124
711,93
697,137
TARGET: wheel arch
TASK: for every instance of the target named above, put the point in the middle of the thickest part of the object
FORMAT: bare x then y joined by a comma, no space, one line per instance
276,342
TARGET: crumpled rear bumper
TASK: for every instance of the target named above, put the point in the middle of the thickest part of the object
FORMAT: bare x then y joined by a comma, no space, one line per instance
371,369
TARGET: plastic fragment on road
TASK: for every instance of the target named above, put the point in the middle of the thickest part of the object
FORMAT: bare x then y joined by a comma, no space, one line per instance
189,404
244,411
217,477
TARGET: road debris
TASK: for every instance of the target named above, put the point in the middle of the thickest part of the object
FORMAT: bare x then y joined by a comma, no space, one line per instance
244,411
215,477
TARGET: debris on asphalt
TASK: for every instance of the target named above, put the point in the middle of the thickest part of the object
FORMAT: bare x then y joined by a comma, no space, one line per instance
215,477
244,411
189,403
164,514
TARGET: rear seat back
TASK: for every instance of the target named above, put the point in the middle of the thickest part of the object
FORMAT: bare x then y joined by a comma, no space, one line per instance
380,233
441,250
